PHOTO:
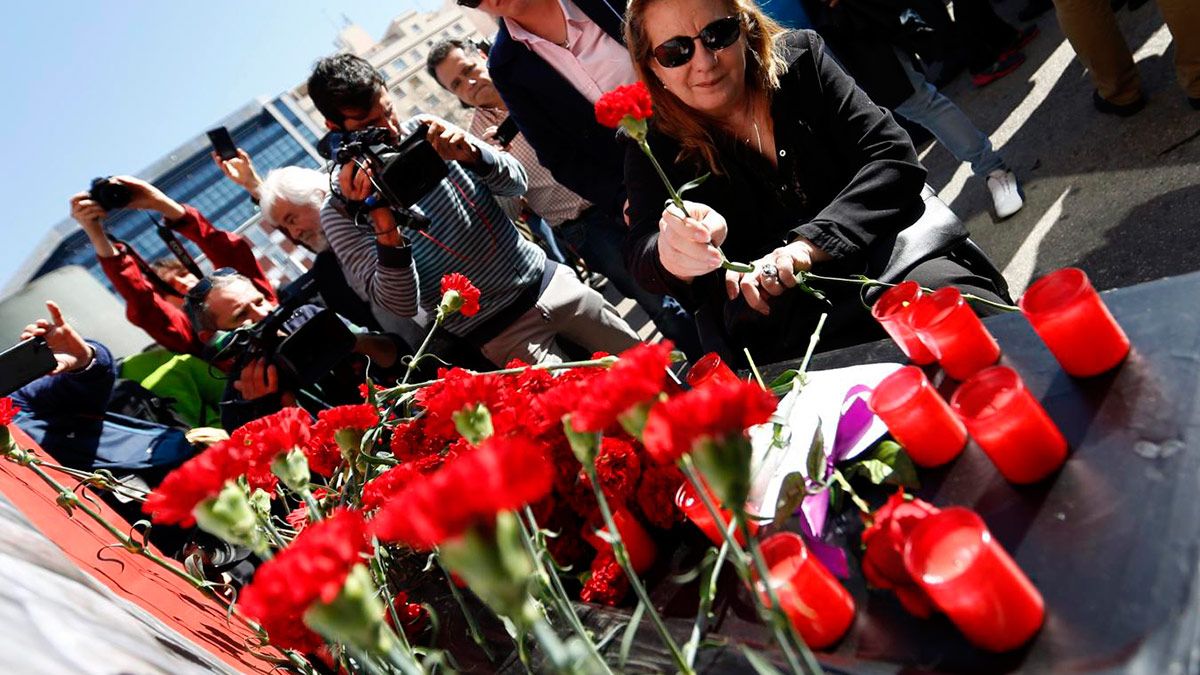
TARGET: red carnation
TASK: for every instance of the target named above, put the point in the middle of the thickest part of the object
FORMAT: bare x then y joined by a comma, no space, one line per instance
323,455
358,417
457,389
715,411
412,615
656,495
379,489
263,439
196,480
637,377
501,474
8,411
631,100
618,468
467,296
311,569
608,584
883,558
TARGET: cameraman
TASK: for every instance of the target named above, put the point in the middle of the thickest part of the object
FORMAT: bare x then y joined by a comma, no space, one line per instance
527,301
156,307
226,301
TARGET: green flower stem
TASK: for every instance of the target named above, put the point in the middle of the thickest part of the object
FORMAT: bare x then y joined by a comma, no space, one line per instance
727,264
556,651
557,593
785,633
400,653
812,344
866,282
314,509
472,625
635,581
124,539
704,611
416,358
273,532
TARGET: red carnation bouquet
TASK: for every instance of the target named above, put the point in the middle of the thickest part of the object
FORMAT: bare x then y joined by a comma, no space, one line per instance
883,550
628,108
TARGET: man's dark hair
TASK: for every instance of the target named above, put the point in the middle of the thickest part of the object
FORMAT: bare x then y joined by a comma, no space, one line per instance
440,51
343,82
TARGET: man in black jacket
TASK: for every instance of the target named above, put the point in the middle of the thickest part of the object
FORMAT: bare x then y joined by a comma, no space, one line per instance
550,62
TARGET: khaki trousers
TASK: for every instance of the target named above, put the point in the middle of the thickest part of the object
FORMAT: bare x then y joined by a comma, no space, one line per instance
566,307
1091,27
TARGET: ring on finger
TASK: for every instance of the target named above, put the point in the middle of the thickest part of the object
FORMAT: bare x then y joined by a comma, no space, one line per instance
770,271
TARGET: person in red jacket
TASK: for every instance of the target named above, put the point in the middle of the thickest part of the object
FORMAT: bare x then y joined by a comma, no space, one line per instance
147,305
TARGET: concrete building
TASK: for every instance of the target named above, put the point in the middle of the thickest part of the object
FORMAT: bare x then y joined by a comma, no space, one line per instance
400,56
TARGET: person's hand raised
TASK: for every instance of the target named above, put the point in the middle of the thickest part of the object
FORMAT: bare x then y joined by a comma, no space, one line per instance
451,142
71,352
240,170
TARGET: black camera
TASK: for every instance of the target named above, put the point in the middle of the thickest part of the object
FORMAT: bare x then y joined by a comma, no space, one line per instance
302,356
110,195
404,173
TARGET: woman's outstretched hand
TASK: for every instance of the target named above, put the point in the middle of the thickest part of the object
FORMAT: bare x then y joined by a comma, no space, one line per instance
687,246
773,274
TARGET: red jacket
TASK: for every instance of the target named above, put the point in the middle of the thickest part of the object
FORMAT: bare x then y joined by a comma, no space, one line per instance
147,309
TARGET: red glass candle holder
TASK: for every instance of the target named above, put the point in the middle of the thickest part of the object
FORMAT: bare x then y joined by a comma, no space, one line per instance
953,333
817,605
693,507
892,310
1068,314
638,544
971,578
1010,425
710,368
918,418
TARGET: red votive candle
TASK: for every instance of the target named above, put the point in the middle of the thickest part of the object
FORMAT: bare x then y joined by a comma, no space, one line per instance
710,368
817,605
918,418
953,333
891,310
638,543
1010,425
693,507
971,578
1068,314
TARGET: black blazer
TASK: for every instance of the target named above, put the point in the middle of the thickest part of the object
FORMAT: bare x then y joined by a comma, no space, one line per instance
558,121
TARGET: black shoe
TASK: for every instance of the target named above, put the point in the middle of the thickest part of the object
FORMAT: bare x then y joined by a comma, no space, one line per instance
1110,108
1033,9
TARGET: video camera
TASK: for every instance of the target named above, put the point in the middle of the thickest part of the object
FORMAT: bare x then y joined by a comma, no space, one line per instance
303,356
403,173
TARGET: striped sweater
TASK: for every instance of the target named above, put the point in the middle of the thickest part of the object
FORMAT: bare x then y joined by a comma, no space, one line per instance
468,233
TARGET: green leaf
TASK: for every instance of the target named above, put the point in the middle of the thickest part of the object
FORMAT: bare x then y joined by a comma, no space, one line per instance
816,456
803,286
783,380
903,471
760,665
875,470
692,184
791,493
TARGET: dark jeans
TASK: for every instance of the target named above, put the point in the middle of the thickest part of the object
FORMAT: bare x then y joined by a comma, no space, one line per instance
597,237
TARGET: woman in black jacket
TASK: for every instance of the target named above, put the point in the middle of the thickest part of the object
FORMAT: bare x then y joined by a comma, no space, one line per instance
807,174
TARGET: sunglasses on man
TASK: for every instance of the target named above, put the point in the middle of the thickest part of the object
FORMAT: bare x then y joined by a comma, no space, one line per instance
715,36
197,294
472,4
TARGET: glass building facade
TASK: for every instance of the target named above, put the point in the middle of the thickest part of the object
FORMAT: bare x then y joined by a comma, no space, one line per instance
274,136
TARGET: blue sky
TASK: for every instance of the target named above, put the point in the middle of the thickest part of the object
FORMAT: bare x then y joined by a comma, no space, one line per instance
98,88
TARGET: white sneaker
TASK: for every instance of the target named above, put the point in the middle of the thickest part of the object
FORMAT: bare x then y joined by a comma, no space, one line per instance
1006,193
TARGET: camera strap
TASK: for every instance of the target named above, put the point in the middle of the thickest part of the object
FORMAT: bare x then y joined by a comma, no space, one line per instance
147,271
176,247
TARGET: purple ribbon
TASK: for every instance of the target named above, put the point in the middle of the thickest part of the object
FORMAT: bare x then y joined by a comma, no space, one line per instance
855,420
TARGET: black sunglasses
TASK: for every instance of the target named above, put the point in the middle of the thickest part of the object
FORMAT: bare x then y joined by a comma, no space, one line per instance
472,4
196,294
715,36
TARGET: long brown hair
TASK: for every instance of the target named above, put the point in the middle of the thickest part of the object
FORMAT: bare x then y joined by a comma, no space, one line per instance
695,130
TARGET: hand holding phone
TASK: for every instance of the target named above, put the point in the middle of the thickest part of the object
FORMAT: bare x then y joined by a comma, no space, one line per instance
506,132
222,143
